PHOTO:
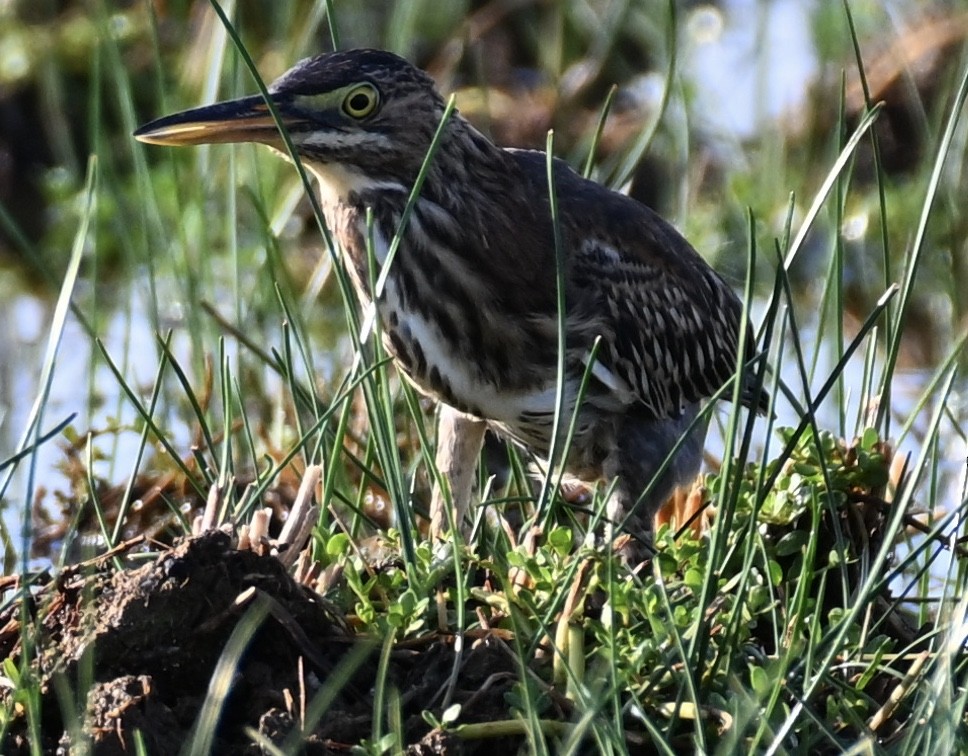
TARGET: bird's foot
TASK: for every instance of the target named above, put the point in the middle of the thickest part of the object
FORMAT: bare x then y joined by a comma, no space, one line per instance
633,552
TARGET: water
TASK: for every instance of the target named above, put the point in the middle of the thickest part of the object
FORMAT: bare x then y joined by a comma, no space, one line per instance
750,61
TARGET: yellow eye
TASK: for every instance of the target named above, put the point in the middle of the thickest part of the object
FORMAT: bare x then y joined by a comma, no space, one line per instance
361,101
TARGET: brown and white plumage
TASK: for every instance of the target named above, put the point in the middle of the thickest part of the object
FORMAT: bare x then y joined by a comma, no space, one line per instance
470,306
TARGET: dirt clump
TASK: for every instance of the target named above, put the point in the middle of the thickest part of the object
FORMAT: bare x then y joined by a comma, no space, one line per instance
211,641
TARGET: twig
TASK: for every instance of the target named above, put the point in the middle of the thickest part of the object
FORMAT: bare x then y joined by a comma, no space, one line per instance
893,701
301,519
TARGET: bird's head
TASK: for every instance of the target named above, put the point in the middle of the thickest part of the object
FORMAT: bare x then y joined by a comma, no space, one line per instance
356,118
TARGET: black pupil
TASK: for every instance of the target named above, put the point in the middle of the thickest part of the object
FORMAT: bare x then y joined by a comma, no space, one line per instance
359,101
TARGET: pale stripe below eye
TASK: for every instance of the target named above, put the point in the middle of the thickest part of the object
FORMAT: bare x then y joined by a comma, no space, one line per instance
337,181
332,140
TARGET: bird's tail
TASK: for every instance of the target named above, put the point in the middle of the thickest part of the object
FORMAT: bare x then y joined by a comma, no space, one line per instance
644,445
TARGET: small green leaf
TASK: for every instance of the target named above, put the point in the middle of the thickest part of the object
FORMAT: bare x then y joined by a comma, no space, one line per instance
693,578
776,572
338,544
560,540
760,681
792,543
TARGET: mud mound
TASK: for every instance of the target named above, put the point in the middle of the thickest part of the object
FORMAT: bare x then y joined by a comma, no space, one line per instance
208,641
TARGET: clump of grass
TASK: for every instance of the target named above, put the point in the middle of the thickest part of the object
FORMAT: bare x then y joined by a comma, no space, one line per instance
817,612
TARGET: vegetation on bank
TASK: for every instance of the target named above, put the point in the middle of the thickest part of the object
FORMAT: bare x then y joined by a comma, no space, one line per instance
808,597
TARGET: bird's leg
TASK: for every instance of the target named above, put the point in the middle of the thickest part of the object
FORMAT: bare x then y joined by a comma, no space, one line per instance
642,446
459,441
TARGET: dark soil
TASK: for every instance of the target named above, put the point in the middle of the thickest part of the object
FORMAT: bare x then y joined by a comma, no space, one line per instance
144,643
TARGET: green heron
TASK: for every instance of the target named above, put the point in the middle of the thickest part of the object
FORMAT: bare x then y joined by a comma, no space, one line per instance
470,308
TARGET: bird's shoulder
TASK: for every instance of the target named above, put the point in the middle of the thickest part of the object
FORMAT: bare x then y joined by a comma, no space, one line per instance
610,227
673,324
615,241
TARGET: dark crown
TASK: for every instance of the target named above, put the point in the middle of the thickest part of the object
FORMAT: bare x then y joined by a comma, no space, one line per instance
329,71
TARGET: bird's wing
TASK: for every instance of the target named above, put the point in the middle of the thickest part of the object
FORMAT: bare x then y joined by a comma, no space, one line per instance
669,324
670,338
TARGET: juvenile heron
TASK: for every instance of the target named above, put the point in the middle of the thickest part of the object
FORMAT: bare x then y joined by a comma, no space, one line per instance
470,309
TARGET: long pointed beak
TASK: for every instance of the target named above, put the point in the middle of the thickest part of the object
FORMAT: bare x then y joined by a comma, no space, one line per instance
244,120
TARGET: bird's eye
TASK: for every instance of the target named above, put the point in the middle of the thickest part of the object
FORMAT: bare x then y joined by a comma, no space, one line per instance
360,101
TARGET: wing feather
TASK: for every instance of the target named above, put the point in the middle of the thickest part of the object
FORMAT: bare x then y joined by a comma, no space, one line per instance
671,338
669,323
